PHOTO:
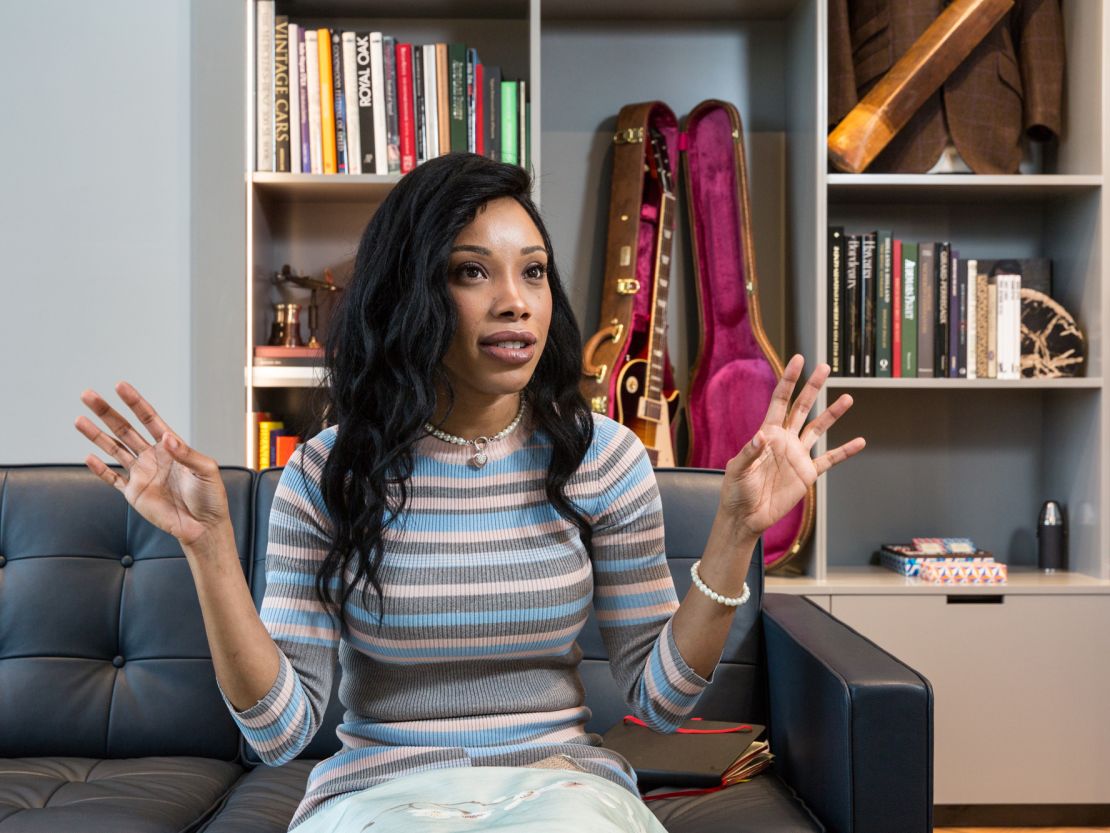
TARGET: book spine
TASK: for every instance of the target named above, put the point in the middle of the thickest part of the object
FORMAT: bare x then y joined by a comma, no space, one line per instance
835,311
406,107
885,273
392,130
305,126
381,92
312,91
867,303
961,342
982,326
471,58
431,106
339,103
522,124
327,100
456,71
992,327
479,109
909,310
443,99
351,105
970,304
943,257
421,120
294,99
281,94
852,300
493,118
954,316
1006,369
264,85
926,310
265,428
508,121
364,80
896,310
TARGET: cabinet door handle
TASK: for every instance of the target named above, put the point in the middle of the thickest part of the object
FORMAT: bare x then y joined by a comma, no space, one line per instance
980,599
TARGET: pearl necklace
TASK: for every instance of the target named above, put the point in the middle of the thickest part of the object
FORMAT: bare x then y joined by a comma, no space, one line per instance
479,458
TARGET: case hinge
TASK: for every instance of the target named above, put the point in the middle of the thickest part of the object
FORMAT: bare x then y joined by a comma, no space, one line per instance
627,286
600,404
632,135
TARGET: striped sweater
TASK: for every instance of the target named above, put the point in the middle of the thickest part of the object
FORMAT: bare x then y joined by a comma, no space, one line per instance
486,588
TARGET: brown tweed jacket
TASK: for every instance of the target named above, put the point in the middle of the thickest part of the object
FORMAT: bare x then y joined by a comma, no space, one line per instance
1012,81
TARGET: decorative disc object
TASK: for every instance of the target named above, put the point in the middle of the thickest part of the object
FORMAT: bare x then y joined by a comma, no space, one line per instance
1052,344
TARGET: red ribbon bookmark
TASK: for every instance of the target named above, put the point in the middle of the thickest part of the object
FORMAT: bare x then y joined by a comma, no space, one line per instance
741,727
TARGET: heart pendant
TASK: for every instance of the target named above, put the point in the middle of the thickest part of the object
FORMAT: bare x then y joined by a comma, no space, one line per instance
479,459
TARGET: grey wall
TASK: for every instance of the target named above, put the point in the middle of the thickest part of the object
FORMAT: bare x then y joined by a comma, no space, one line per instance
100,218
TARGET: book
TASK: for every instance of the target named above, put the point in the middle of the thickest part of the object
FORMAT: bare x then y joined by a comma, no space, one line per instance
953,316
493,112
296,67
351,105
275,436
509,134
471,105
327,100
868,242
992,327
419,105
853,246
836,304
943,257
264,85
480,109
339,103
456,72
389,119
896,310
431,102
364,78
406,108
522,124
1036,272
286,445
883,282
265,428
1009,326
700,753
971,305
982,327
315,116
304,127
443,98
909,310
282,161
961,342
926,309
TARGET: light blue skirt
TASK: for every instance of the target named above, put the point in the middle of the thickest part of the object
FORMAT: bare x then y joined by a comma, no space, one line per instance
520,799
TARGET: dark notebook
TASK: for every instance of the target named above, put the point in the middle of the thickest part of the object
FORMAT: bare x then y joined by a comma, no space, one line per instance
701,753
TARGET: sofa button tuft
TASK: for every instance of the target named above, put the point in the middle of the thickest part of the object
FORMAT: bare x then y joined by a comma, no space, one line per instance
127,561
3,561
117,662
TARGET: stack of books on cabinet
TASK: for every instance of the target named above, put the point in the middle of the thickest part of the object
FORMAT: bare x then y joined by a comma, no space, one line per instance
337,101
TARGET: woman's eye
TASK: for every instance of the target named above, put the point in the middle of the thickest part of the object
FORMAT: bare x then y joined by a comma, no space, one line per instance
537,271
470,271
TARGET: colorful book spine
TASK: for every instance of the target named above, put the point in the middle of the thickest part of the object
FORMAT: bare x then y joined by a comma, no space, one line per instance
982,326
522,124
443,98
868,243
471,105
327,100
926,310
339,103
970,272
265,428
294,100
835,302
364,80
388,50
954,316
282,163
312,94
493,112
884,253
406,107
909,310
286,445
943,257
419,103
509,132
264,85
896,311
852,298
351,105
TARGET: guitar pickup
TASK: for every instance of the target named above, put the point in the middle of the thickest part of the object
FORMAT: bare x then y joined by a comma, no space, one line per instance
649,409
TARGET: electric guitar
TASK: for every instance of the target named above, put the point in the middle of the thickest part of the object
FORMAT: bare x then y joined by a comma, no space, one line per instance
642,404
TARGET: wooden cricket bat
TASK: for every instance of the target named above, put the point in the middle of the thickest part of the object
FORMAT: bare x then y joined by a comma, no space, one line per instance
886,108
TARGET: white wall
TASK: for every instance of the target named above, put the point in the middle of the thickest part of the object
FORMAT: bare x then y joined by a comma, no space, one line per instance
97,151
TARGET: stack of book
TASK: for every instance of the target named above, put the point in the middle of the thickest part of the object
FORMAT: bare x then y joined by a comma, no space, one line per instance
331,101
905,309
943,561
276,444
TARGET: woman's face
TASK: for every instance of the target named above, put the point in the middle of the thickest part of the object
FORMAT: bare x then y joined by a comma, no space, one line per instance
497,275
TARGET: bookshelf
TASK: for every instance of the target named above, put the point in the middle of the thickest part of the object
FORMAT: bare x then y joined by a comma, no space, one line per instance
944,456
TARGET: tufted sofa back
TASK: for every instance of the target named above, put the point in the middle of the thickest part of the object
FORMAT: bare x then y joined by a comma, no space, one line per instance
689,496
102,647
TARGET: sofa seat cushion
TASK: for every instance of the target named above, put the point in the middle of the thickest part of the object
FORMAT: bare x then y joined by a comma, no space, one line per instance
92,795
264,800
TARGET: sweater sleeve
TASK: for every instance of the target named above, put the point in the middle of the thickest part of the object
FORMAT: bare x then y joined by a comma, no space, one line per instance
634,595
280,725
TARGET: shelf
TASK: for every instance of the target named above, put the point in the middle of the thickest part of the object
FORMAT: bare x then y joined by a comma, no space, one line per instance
879,581
331,188
890,188
487,9
287,377
637,10
1066,383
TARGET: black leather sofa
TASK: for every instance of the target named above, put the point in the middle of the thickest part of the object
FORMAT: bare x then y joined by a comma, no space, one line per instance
111,722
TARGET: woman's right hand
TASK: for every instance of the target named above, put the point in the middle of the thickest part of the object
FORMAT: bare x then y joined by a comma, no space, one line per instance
176,488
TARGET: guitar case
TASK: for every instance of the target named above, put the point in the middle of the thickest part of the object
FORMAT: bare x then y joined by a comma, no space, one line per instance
630,253
736,368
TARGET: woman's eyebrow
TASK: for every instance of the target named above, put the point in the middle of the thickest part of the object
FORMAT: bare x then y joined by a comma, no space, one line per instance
482,250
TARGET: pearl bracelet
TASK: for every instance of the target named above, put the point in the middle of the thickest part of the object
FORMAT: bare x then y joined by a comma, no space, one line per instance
714,595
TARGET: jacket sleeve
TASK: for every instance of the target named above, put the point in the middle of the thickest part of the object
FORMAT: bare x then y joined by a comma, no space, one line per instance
1040,45
634,596
280,725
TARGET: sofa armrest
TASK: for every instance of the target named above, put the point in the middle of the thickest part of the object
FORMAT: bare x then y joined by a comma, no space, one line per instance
851,725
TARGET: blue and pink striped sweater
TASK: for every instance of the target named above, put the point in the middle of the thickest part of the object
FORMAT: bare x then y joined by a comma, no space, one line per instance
486,588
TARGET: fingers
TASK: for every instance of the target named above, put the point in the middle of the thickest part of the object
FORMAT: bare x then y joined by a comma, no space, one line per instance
804,403
817,429
105,442
189,457
143,410
749,453
119,426
780,399
838,455
97,467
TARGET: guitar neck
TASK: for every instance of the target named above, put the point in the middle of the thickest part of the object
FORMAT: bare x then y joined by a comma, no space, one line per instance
657,339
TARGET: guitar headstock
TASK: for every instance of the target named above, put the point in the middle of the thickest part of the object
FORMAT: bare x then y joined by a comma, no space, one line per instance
660,163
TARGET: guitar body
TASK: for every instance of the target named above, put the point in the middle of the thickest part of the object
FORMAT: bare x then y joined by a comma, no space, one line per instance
657,436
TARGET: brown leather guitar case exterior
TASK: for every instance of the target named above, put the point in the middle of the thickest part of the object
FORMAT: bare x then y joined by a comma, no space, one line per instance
737,368
632,244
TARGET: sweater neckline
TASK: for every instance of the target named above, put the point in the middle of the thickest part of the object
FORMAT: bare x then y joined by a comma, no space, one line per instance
459,455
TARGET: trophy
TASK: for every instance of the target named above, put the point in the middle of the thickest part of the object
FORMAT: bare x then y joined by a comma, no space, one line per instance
314,285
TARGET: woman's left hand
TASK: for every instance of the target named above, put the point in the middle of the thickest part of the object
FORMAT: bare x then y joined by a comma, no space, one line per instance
773,471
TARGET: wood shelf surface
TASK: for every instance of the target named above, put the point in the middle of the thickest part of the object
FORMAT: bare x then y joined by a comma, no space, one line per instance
332,188
879,581
891,188
870,383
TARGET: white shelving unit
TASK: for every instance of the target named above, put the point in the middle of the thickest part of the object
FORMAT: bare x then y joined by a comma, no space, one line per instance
944,457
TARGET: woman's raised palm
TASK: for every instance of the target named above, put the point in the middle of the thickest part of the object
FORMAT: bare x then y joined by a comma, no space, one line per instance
174,487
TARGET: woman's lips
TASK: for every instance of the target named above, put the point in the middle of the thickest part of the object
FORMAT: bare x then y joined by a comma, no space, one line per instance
510,355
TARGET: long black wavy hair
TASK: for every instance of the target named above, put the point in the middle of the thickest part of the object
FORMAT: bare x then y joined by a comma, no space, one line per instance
383,358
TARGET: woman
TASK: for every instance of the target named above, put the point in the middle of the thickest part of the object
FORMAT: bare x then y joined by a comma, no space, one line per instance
444,539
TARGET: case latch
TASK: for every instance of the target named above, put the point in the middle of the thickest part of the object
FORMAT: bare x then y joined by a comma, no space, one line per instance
632,135
627,286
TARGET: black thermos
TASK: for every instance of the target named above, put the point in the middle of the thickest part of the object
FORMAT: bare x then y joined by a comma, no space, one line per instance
1052,538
